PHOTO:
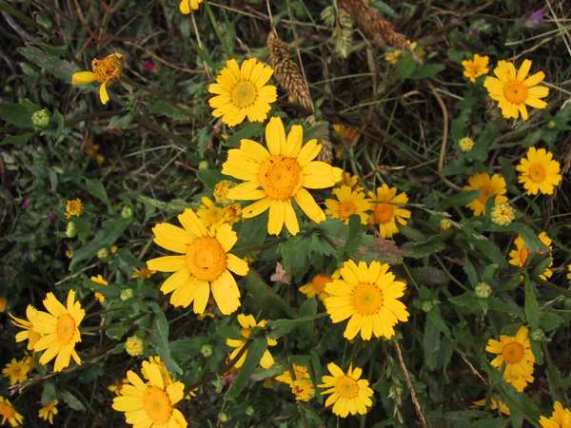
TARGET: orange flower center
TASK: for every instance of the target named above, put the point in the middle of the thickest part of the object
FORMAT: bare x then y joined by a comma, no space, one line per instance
513,352
6,411
485,192
515,92
280,177
384,213
319,281
347,387
537,172
367,299
65,328
157,405
108,68
206,259
346,208
244,94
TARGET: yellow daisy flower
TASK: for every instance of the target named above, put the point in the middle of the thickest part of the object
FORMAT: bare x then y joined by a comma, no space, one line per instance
476,67
49,411
134,346
560,418
387,210
514,90
151,402
17,370
28,333
99,280
248,322
348,203
494,404
466,144
59,330
105,71
301,384
539,172
520,254
73,208
494,186
276,177
8,413
316,287
212,214
369,296
203,263
349,393
186,7
242,92
514,355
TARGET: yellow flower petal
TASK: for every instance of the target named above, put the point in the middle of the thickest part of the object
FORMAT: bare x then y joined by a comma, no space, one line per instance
83,78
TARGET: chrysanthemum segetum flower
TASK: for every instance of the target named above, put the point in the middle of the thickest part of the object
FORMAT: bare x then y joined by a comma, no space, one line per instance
17,370
49,411
348,203
514,90
73,208
59,330
276,177
151,402
241,92
515,357
134,346
348,393
494,186
186,7
300,383
539,172
28,333
105,71
388,212
316,287
520,254
466,144
8,413
367,295
476,67
203,263
560,418
248,322
502,214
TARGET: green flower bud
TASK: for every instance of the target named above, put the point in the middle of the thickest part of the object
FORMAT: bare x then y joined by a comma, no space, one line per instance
537,335
206,351
223,417
41,118
483,290
103,254
427,305
127,212
551,124
126,294
71,230
250,411
203,165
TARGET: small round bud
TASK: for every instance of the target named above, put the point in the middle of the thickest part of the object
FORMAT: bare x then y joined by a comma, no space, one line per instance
134,346
103,254
206,351
502,214
126,294
223,417
445,224
202,165
551,124
427,305
41,119
466,144
483,290
127,212
537,335
70,230
250,411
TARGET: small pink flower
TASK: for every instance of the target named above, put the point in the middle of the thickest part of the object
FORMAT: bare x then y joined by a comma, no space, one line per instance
149,66
25,203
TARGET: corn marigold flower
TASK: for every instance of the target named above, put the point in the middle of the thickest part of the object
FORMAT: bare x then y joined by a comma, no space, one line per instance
186,7
99,280
502,214
349,202
49,411
28,333
494,404
539,172
300,383
248,322
489,186
73,208
8,413
17,370
348,393
367,295
276,177
203,263
134,346
388,212
151,401
560,418
520,254
515,357
466,144
241,92
476,67
316,287
105,71
514,90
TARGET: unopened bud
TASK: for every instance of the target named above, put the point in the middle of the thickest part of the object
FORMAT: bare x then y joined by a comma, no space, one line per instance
41,118
483,290
70,230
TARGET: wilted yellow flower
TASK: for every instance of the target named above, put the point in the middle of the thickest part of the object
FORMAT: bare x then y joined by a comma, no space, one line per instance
520,254
134,346
186,7
221,190
142,273
8,413
316,287
17,370
502,214
539,172
349,394
494,404
475,67
393,56
48,412
301,384
494,186
73,208
105,71
466,144
248,322
99,280
349,135
560,418
388,212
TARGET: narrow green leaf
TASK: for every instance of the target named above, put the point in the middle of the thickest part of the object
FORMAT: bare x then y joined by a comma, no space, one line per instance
531,306
255,351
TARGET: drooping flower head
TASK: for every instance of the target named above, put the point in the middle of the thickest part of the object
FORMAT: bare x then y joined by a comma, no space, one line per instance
349,202
494,186
475,67
151,401
105,71
316,287
59,330
17,370
348,393
28,333
186,7
515,357
241,92
203,263
539,172
248,322
560,418
514,90
519,256
49,411
300,383
8,413
388,212
367,295
279,175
